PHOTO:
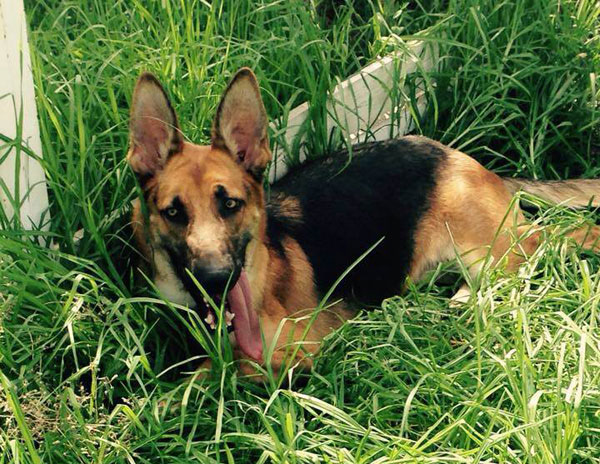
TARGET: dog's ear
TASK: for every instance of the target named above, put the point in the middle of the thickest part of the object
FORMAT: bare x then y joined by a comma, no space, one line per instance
240,126
154,134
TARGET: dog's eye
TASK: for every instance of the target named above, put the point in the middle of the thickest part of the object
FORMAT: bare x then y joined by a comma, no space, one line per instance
229,206
175,213
231,203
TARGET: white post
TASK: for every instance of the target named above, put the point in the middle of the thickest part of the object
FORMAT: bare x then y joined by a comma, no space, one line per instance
22,180
361,106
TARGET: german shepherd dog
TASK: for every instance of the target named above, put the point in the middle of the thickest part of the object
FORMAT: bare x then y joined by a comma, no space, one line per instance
207,220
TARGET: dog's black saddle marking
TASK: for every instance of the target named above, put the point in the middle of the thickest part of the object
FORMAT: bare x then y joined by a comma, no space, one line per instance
347,207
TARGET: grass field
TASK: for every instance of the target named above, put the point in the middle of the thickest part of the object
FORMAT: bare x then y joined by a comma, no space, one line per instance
95,369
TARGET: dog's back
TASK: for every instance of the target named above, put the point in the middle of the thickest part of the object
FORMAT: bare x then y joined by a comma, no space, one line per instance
347,204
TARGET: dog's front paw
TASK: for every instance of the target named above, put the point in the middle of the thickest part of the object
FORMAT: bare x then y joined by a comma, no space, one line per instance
461,297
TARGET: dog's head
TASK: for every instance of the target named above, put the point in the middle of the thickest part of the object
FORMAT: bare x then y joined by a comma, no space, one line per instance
204,203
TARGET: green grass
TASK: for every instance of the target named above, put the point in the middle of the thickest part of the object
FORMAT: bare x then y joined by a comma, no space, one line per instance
96,369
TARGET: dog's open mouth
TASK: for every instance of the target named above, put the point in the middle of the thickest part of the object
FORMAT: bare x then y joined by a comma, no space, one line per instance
240,314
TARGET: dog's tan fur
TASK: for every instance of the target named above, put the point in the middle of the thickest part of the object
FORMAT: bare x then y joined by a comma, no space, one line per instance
283,289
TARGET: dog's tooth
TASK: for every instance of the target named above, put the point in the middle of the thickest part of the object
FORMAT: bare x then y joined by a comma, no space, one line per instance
228,318
210,320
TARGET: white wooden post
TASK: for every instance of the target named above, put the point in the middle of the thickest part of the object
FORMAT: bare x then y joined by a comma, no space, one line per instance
22,180
361,106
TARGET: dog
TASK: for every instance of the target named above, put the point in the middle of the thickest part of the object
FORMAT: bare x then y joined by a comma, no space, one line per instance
205,219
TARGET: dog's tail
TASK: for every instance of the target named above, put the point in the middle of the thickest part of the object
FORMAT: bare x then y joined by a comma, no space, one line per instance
576,193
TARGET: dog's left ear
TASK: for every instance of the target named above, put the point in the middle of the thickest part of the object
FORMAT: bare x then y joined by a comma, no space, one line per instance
240,126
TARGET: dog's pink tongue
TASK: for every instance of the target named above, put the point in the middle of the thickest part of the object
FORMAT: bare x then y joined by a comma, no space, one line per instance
245,322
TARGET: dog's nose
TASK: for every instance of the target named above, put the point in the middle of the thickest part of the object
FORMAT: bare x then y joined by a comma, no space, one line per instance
212,279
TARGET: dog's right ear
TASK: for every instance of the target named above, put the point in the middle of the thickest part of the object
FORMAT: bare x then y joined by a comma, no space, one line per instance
154,134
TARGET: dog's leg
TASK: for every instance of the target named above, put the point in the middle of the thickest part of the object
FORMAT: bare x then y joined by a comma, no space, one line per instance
518,247
285,345
295,339
527,240
461,297
278,360
587,238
